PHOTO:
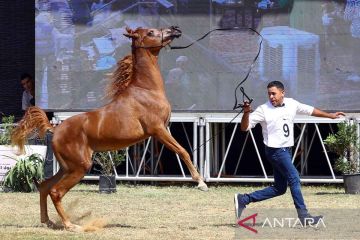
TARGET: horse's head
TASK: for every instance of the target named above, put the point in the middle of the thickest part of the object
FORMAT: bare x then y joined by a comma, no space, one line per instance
152,39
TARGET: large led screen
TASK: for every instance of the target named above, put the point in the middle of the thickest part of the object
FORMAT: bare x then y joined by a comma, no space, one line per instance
311,46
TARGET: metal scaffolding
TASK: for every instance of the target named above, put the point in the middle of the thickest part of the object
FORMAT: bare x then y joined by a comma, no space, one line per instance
209,146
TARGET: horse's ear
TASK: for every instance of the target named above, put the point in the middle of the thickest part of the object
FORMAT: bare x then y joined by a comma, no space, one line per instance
130,33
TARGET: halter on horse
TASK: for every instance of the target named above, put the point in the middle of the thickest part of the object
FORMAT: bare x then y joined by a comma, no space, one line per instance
138,109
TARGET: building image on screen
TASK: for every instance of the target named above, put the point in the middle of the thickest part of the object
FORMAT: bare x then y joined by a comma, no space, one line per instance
311,46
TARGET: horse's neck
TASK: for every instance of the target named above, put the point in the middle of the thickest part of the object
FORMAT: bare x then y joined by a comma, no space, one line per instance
147,71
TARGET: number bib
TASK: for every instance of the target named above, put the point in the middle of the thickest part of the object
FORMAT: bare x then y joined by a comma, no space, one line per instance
281,131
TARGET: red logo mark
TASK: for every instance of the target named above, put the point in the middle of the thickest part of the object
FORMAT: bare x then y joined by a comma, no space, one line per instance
253,217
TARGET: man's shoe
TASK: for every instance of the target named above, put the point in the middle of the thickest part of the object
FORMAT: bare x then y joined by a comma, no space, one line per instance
308,220
239,204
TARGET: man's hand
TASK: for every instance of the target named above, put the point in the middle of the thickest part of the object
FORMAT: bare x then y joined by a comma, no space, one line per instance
245,118
246,107
320,113
337,115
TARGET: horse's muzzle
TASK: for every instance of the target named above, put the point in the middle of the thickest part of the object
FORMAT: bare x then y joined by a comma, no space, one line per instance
175,31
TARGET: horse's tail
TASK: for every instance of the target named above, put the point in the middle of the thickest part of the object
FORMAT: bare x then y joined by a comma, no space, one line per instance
34,118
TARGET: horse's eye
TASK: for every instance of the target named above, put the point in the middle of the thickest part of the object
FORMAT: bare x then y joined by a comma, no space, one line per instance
151,33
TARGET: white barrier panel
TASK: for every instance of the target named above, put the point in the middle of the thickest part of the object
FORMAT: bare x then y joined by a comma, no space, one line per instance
8,156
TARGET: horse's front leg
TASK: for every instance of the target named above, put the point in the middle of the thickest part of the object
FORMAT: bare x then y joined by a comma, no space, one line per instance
164,137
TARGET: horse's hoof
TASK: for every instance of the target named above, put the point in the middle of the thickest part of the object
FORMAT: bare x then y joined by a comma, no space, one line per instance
74,228
203,187
50,224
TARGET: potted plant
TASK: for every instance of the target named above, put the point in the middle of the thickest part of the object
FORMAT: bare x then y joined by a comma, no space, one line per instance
8,154
107,163
20,177
345,143
7,124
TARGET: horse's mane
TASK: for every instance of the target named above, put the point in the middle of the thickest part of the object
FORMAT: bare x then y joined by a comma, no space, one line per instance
120,78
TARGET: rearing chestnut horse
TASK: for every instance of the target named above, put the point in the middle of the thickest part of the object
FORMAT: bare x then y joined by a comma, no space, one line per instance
138,109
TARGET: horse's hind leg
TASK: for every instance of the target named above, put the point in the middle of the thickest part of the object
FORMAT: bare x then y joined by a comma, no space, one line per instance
164,136
78,163
44,190
57,192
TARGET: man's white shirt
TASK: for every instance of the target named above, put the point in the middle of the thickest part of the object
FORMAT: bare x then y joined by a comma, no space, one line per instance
278,122
26,97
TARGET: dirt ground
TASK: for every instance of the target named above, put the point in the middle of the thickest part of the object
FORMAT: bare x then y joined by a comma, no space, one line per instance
178,212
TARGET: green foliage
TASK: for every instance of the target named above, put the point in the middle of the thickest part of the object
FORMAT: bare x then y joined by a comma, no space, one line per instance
7,125
345,144
107,161
20,177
